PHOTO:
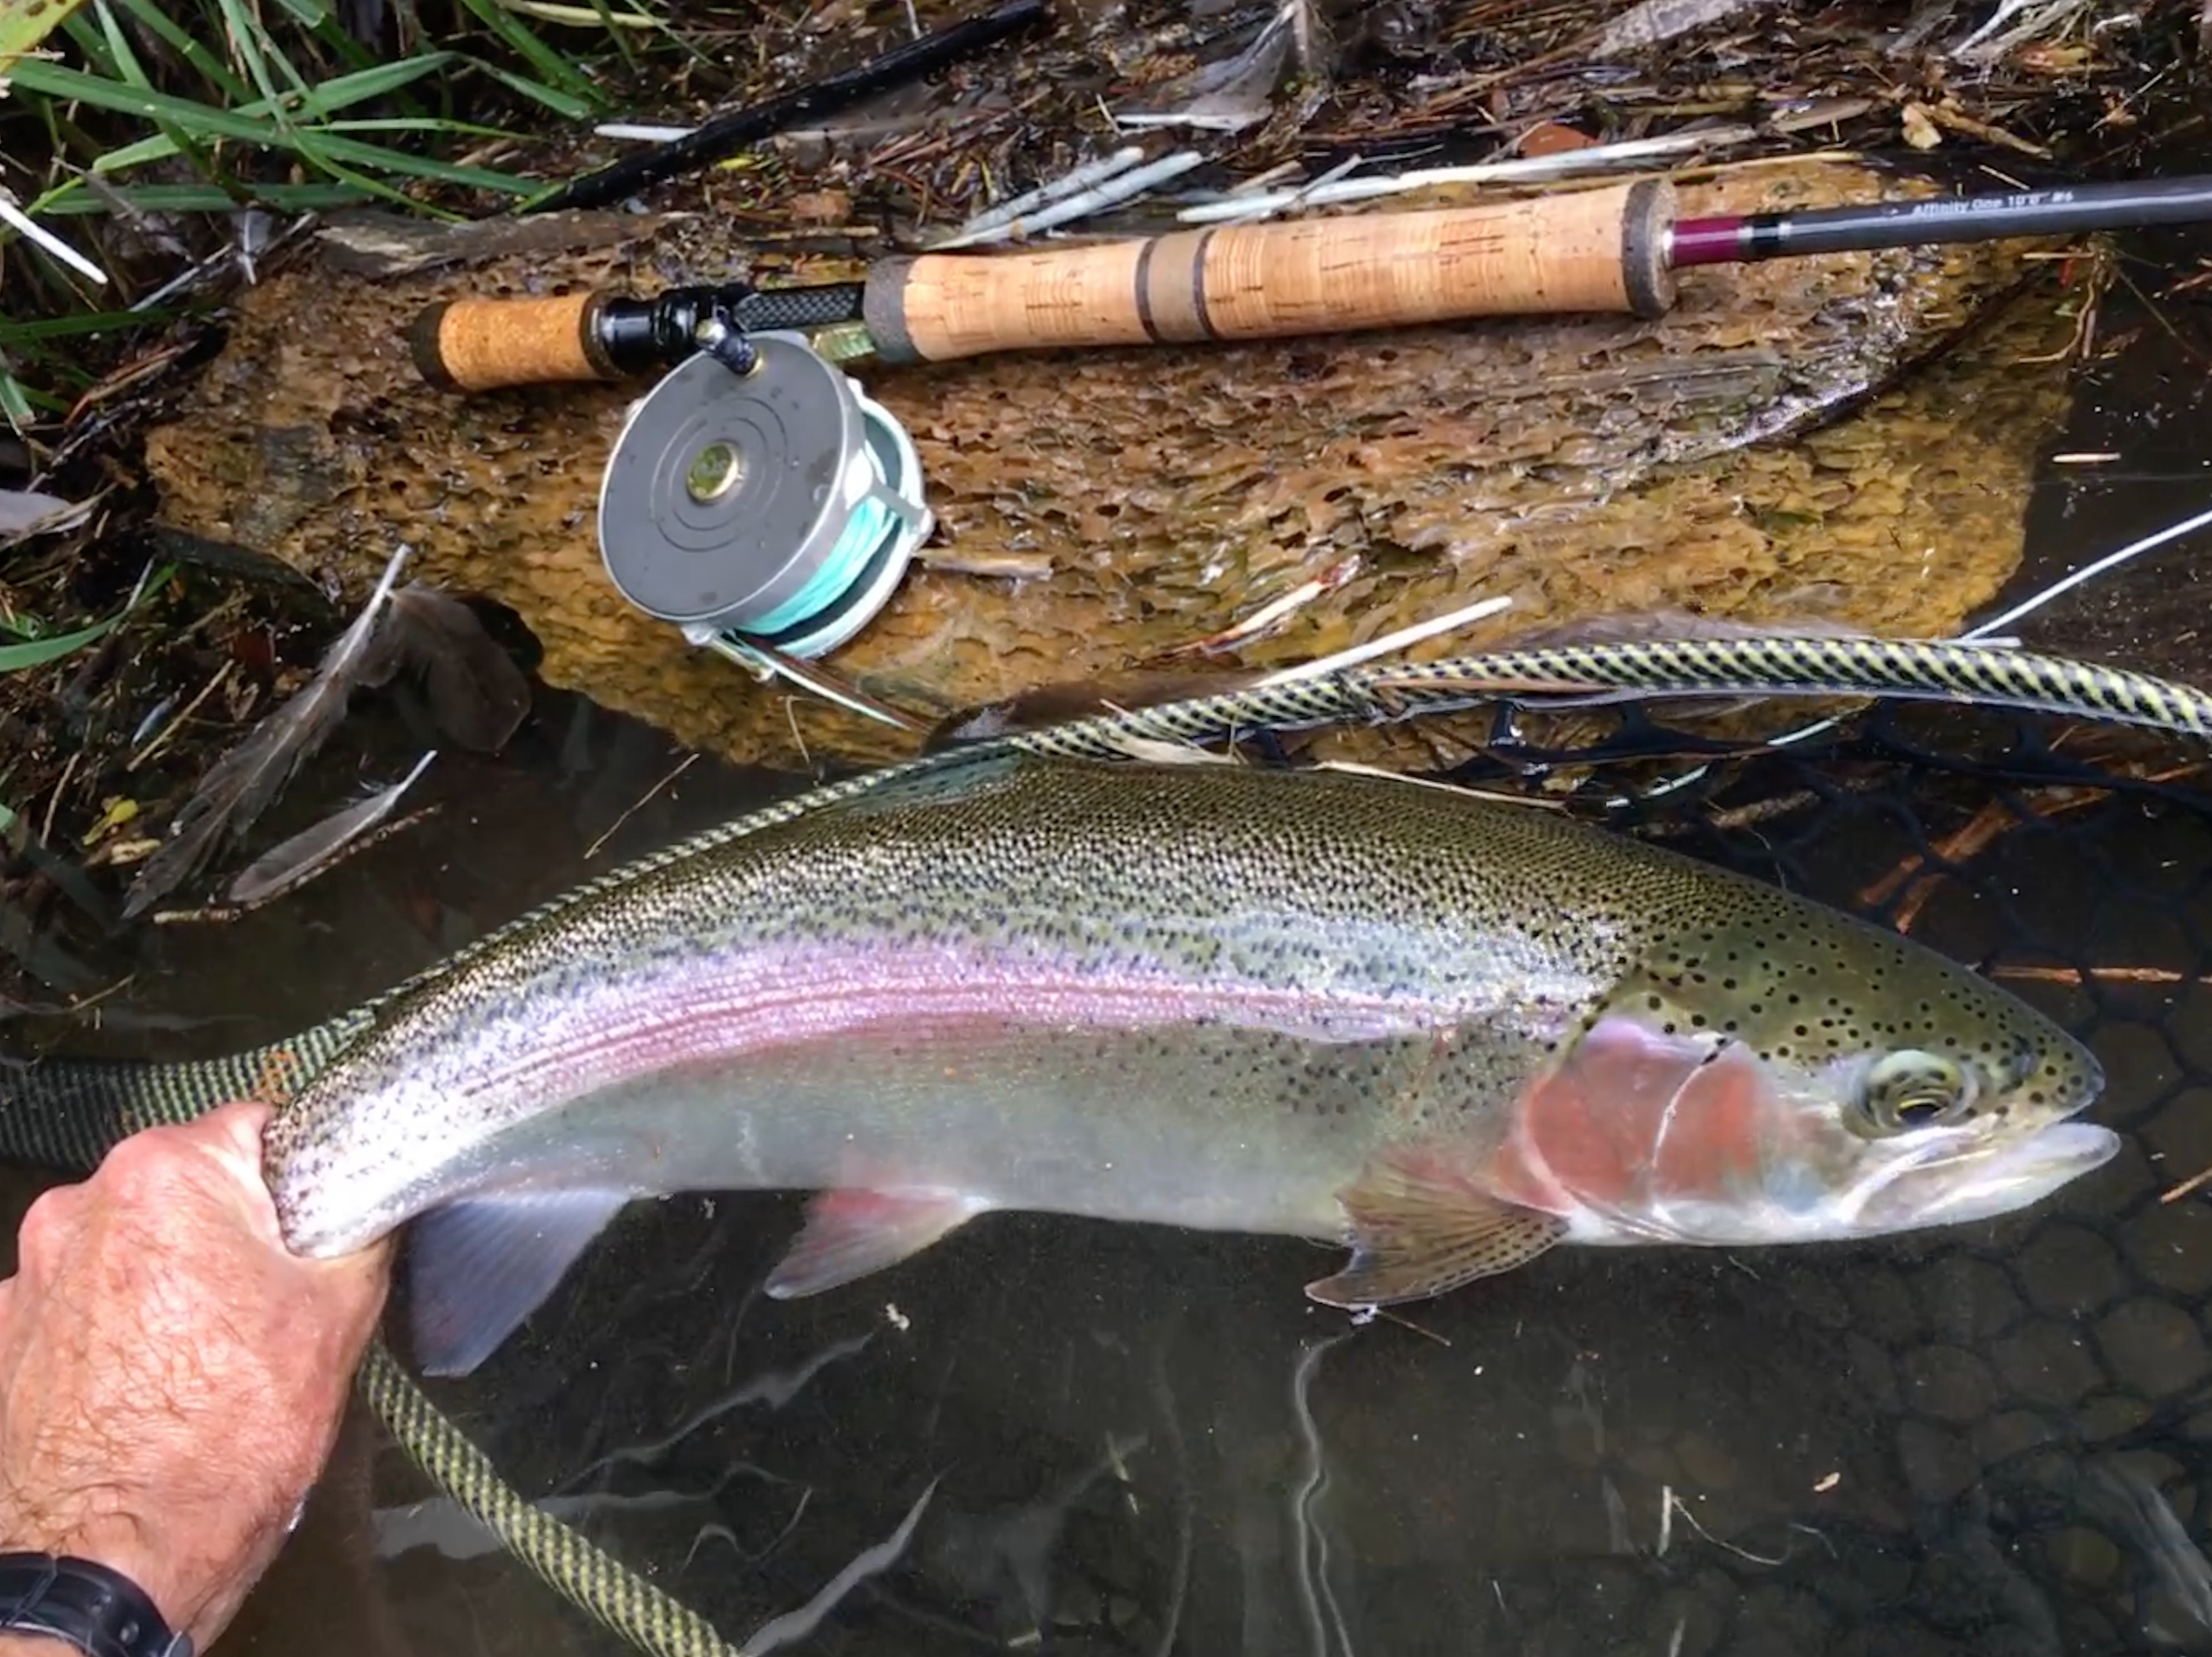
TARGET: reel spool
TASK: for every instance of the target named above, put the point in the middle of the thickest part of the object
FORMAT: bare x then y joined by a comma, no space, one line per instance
776,507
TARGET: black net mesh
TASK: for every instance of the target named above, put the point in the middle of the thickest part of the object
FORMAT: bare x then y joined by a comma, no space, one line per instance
1993,1439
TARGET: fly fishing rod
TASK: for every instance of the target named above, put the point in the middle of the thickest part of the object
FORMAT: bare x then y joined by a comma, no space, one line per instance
759,501
1610,249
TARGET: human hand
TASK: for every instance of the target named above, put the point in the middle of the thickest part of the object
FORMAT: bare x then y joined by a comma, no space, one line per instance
172,1377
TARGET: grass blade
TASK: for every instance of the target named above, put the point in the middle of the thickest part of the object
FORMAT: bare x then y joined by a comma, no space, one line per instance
319,102
158,23
55,81
561,103
15,400
246,37
550,66
25,24
14,333
209,198
127,69
61,82
36,653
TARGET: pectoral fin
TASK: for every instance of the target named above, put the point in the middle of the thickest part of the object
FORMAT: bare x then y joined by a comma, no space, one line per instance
478,1268
1416,1231
849,1233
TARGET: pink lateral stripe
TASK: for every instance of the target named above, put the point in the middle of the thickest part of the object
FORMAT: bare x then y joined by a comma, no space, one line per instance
679,1014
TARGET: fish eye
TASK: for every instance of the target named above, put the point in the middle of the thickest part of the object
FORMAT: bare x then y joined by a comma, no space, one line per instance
1903,1091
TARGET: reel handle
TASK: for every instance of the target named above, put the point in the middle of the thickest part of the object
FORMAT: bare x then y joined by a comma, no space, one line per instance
1595,249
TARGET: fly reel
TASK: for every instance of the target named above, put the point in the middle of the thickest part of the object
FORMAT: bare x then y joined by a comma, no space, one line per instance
761,501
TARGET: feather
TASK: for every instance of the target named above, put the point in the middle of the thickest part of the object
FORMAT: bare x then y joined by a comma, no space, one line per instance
309,853
242,784
477,695
28,512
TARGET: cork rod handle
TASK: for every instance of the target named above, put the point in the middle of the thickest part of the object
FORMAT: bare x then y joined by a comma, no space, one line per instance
480,344
1597,250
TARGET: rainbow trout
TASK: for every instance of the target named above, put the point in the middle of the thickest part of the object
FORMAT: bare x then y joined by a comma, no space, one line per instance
1445,1031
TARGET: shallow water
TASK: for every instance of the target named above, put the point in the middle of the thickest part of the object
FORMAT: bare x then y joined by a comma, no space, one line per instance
1992,1440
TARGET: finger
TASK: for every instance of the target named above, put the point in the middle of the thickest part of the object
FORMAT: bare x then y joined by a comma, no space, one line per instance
227,1142
234,1130
47,1237
232,1133
226,1145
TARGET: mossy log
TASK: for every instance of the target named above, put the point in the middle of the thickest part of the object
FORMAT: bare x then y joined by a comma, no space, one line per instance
1851,437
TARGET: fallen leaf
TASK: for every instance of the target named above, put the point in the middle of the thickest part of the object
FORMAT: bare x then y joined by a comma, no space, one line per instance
1550,138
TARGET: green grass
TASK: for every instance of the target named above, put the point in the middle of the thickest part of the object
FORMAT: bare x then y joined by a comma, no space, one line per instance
36,653
36,648
125,109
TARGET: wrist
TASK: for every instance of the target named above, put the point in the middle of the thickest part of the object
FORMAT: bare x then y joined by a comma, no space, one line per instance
74,1605
122,1546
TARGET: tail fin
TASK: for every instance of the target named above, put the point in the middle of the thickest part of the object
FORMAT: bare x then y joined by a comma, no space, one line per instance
65,1113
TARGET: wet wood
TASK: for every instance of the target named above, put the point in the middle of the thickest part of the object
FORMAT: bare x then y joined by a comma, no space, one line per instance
1142,498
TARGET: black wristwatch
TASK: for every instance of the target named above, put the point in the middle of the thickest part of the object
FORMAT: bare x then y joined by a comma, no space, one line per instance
102,1612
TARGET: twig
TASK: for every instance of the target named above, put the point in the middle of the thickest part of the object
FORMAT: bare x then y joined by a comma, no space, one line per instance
1274,612
91,1002
236,908
798,737
1674,1502
2195,1182
1524,169
593,850
23,224
163,738
2089,572
1481,609
54,800
2111,974
1981,831
1950,116
1763,810
1305,192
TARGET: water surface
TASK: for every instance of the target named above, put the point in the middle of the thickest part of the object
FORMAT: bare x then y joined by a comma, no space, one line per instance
1991,1440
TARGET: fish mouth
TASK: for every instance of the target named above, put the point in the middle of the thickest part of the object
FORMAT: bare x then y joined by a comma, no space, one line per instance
1988,1181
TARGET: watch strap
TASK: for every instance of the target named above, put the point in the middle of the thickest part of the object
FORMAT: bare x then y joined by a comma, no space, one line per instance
100,1611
